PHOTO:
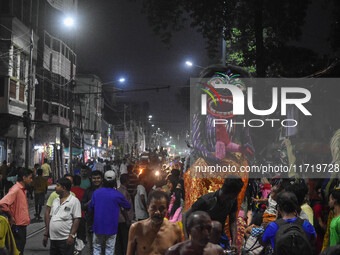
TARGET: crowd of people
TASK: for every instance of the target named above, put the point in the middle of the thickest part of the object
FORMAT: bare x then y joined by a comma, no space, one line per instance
101,208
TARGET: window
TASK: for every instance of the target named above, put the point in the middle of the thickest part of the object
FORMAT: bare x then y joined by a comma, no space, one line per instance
13,89
47,90
55,78
15,63
23,67
56,45
61,111
63,94
55,110
64,112
47,40
67,52
55,93
22,92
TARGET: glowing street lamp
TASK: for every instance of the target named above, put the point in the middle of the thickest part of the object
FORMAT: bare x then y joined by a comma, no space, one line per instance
190,64
69,22
122,80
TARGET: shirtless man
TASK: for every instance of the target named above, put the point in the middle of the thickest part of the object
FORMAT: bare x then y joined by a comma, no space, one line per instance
199,226
216,232
154,235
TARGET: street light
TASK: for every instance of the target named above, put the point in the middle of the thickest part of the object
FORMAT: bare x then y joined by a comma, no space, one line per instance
150,116
190,64
122,80
152,125
69,22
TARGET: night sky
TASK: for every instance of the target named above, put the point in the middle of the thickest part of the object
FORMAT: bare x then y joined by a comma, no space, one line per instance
114,39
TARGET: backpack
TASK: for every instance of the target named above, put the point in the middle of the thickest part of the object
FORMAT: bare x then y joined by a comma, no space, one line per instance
252,246
291,238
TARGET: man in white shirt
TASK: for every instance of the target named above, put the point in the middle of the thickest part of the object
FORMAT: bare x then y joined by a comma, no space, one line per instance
62,225
140,200
123,167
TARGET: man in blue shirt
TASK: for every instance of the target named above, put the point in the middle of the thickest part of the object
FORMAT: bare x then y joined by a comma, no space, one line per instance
105,206
288,208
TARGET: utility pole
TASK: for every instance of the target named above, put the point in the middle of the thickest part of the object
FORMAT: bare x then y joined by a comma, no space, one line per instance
82,131
124,148
27,115
70,166
223,50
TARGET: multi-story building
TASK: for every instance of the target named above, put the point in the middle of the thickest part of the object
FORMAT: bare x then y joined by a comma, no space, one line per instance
88,109
56,68
18,35
129,129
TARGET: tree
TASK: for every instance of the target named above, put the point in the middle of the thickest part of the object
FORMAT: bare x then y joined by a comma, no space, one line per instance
254,29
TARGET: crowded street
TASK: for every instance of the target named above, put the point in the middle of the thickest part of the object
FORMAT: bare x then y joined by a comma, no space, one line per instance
157,127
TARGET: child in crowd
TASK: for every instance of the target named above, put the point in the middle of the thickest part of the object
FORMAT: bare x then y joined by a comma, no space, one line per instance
269,214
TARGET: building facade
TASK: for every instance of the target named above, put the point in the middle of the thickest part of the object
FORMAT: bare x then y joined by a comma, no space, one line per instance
88,114
56,69
18,44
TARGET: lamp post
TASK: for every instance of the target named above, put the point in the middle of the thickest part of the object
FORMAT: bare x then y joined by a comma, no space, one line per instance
27,115
69,22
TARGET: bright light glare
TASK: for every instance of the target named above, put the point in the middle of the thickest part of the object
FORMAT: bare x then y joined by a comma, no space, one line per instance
69,22
152,125
150,116
122,80
188,63
157,173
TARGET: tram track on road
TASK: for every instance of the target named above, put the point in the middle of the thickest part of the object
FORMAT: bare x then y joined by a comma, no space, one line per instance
34,233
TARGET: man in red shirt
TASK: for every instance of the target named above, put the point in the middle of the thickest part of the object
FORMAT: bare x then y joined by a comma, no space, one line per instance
16,205
79,192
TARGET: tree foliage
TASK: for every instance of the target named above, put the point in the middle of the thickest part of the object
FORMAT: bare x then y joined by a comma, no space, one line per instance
256,32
